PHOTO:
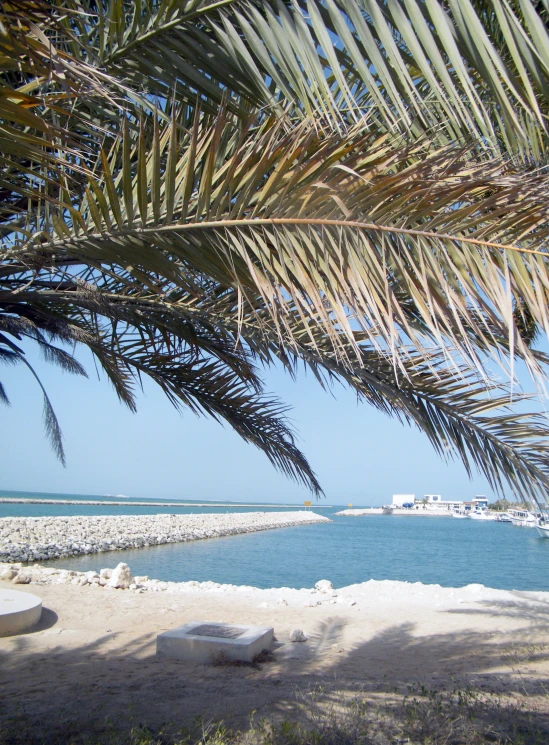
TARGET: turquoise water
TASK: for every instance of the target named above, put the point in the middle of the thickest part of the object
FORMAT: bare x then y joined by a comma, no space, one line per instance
449,552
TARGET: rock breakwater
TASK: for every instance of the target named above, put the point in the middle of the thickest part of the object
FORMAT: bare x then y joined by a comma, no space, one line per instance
31,539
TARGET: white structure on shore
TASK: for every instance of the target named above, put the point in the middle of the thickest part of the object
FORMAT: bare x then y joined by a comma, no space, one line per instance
435,502
401,499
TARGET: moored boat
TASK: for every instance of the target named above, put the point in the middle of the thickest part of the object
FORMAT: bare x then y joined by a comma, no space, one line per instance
503,517
543,529
481,515
523,518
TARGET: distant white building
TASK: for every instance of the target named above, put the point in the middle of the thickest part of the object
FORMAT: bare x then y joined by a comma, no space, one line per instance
436,501
400,499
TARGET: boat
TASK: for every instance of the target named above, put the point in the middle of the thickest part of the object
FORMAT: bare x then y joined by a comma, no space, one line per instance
460,515
523,518
503,517
387,509
543,529
481,515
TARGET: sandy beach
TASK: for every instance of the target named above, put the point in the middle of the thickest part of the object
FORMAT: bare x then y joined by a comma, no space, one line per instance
92,658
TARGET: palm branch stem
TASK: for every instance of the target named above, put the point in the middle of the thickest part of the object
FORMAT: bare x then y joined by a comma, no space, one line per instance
274,221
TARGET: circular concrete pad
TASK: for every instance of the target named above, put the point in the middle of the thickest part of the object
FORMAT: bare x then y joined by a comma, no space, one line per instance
18,611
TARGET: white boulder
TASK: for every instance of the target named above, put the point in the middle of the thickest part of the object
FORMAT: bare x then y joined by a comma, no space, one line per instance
324,585
105,573
9,573
21,579
121,577
297,636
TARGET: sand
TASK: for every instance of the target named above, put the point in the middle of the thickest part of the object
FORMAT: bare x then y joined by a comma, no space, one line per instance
92,658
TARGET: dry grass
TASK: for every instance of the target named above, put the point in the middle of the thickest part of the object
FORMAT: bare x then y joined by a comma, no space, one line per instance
418,716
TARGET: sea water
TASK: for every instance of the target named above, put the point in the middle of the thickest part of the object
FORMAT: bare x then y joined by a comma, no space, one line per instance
430,550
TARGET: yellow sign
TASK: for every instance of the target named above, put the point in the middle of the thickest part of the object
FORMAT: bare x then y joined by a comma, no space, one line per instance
307,504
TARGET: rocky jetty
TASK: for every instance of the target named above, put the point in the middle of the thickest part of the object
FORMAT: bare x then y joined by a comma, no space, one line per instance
31,539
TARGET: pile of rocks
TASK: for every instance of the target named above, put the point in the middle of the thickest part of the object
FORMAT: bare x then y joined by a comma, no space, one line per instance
121,578
31,539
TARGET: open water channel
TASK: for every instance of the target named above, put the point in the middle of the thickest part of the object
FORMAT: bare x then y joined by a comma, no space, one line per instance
431,550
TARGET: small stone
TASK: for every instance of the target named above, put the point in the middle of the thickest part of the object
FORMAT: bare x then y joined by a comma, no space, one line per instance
121,577
281,601
324,585
105,573
297,636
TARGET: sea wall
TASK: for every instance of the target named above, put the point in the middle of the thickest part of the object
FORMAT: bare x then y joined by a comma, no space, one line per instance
29,539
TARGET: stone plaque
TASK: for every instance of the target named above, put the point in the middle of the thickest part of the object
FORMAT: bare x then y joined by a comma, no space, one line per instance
218,631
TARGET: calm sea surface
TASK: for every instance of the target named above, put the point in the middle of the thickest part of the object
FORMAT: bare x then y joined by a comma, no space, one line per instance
449,552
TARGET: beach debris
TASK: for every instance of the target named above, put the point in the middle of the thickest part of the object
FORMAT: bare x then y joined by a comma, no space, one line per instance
121,577
312,603
281,601
352,601
324,585
297,635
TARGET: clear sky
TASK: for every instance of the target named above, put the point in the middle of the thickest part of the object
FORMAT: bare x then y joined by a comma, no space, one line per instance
360,455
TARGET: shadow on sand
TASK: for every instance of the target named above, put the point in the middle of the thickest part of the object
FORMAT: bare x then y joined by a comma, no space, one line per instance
52,693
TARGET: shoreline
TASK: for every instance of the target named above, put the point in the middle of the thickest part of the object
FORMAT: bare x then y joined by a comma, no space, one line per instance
102,502
31,539
370,511
358,595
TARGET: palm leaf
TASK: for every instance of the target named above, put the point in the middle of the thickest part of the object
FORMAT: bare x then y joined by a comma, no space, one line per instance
449,236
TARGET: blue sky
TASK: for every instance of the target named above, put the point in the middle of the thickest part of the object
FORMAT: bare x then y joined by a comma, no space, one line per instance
360,455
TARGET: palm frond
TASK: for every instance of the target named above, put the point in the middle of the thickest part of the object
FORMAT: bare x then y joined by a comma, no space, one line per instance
51,424
335,228
4,396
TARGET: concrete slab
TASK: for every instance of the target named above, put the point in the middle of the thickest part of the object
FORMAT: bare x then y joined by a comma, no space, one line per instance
205,642
19,611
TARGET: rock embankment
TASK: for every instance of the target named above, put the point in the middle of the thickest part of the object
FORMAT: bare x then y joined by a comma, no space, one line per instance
30,539
121,578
